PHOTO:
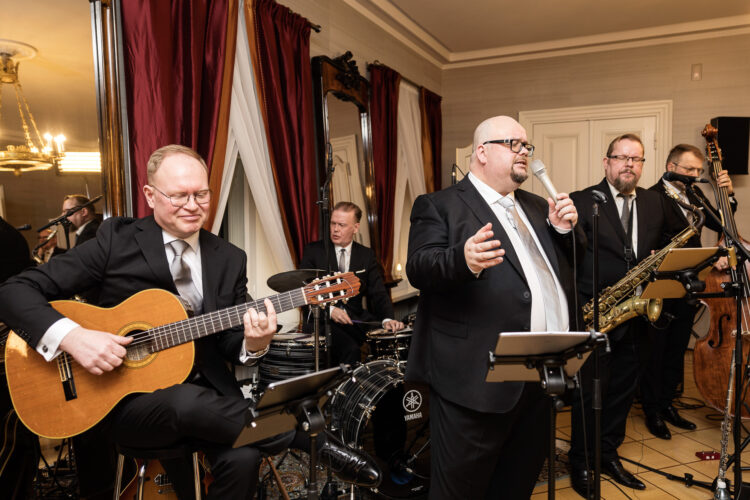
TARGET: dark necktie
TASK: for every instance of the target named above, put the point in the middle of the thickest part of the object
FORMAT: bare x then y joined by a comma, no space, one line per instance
342,260
183,279
546,280
625,214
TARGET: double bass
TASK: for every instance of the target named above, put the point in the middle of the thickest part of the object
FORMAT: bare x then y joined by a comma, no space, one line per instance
712,355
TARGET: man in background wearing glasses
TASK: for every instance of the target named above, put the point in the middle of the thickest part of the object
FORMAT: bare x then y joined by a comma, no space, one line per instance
671,335
633,222
487,257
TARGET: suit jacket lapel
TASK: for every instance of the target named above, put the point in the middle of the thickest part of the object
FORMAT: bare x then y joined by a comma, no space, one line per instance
209,256
151,242
469,194
643,215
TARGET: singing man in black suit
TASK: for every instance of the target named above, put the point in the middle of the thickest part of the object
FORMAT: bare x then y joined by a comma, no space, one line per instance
85,221
633,222
170,251
487,257
351,321
670,337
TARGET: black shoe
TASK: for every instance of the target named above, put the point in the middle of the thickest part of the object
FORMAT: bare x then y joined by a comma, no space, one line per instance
355,467
616,471
582,482
674,418
657,427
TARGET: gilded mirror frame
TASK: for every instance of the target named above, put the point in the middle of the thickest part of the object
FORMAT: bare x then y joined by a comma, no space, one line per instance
339,77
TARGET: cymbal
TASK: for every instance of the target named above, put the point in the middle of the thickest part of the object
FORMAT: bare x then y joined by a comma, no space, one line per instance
289,280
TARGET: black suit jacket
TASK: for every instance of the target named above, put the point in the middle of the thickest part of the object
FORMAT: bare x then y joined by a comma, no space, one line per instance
126,257
14,251
695,241
657,224
366,268
89,232
460,315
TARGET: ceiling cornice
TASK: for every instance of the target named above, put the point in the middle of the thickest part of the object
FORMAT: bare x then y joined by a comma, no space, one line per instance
405,30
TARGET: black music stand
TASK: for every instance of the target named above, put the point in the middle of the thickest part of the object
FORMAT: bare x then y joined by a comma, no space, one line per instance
553,358
289,404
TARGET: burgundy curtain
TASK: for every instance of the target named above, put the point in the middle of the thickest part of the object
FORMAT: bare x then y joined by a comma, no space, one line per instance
432,138
282,44
174,52
384,117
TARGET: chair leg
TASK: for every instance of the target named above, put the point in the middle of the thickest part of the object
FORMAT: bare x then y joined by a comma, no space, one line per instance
197,477
141,479
277,477
118,477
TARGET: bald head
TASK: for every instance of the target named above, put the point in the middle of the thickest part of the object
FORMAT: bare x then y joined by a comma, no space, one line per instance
495,164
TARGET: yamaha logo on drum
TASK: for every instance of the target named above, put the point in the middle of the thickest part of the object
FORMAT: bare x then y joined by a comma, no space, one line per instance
412,402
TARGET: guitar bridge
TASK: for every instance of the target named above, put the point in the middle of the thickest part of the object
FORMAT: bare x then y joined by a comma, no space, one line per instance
64,366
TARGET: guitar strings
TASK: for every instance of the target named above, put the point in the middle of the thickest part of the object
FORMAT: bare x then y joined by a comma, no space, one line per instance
282,302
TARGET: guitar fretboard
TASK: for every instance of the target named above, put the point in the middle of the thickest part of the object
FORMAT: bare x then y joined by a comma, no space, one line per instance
172,334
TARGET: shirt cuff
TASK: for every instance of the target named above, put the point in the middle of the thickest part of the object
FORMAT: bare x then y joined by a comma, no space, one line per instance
386,320
49,345
561,230
248,358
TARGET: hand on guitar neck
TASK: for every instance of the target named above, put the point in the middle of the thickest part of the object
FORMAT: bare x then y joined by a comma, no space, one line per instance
96,351
259,327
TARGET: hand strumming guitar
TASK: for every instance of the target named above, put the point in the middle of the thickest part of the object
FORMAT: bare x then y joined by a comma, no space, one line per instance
96,351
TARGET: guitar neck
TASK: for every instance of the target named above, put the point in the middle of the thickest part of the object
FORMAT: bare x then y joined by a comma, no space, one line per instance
172,334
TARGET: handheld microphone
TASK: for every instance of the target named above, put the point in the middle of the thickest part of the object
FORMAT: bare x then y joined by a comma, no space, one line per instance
23,228
685,179
540,171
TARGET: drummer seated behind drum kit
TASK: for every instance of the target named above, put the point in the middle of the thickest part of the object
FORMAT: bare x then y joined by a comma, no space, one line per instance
372,410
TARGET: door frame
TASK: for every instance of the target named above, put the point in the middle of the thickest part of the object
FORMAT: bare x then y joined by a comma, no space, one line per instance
661,110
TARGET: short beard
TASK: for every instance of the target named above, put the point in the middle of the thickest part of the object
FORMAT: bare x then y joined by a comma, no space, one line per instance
625,187
518,178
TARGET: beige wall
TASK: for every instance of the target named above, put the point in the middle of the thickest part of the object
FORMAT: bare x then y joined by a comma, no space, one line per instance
641,74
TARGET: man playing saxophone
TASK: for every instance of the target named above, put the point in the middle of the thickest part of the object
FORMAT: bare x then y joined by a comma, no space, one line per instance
633,222
670,339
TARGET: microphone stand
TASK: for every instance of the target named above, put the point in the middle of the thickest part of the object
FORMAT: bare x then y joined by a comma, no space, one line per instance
738,287
329,489
596,383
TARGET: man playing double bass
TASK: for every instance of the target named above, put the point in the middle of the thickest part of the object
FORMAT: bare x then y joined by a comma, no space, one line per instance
668,343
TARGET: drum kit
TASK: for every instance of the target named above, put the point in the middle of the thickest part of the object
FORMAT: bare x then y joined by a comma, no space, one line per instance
373,409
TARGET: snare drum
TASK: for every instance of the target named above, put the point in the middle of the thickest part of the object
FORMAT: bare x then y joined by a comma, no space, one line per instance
385,344
289,355
376,411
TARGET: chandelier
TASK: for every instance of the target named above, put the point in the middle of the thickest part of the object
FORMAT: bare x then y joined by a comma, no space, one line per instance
39,152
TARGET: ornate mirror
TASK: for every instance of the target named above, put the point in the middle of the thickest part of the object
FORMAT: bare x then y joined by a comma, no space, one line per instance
342,119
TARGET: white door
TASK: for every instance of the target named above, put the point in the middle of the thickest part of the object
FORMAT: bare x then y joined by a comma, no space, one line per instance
564,150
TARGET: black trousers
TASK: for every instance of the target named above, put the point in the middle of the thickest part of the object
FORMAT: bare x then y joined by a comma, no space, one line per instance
619,371
666,364
477,455
202,416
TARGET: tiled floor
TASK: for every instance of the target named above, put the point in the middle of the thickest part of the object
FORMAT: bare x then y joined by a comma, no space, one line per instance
675,456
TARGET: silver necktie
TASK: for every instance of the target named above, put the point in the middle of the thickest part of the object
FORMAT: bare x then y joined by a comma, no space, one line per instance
625,215
342,260
183,279
550,297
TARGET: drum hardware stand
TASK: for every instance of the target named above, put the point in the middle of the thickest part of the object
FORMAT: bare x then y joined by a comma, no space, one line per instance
53,472
290,404
515,359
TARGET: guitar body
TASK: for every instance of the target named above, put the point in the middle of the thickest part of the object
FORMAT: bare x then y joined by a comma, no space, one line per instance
55,406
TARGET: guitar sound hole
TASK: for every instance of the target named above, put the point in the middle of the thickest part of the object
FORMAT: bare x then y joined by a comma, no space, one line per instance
137,350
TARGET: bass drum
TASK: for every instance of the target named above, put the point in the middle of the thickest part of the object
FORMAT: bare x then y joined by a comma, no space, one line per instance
376,411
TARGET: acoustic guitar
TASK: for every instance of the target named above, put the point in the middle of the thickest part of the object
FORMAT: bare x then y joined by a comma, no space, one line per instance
60,399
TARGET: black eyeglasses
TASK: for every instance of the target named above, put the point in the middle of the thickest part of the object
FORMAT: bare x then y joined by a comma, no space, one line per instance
182,199
698,171
637,160
515,145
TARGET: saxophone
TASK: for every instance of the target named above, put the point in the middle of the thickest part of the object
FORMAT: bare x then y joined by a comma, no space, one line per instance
619,302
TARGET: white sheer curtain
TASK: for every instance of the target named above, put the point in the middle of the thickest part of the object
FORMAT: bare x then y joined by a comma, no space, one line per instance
247,138
410,171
